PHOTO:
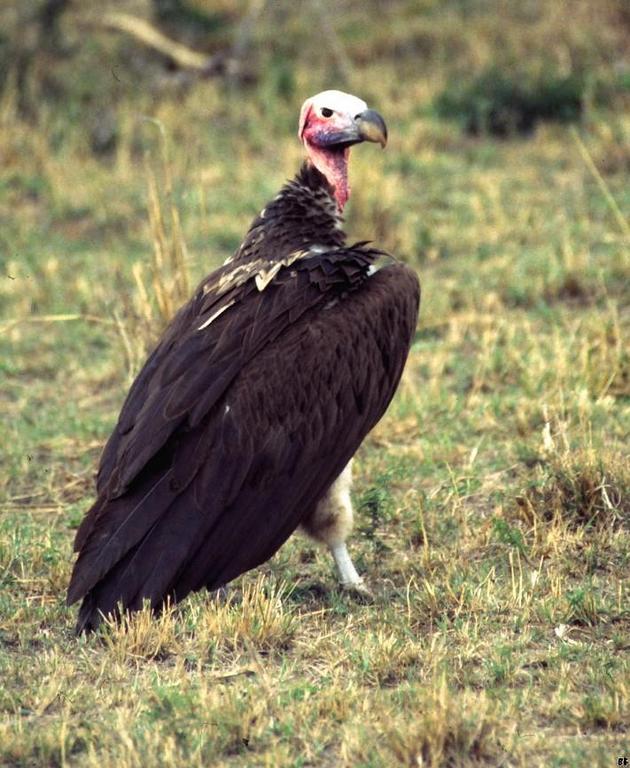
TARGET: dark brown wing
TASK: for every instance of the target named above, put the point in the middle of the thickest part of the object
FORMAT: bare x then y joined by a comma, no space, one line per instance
224,485
195,363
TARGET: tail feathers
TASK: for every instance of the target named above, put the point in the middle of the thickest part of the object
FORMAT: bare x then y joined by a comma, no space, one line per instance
104,599
112,536
147,571
89,615
94,611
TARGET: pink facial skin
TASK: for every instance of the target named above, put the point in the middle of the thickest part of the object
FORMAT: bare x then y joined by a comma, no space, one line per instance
332,161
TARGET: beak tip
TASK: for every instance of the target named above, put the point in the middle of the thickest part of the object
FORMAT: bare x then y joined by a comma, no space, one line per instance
372,127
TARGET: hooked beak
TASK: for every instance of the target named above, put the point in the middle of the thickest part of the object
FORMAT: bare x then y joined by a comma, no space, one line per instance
366,126
372,127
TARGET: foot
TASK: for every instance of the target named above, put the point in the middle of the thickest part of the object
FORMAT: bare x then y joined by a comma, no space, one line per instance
358,590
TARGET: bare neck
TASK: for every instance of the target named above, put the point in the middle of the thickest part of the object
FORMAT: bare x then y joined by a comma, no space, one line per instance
333,164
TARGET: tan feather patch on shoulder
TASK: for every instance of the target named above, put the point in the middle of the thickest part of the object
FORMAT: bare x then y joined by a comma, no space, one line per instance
213,317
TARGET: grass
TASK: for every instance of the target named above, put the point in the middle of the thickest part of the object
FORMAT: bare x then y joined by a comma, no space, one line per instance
501,105
492,500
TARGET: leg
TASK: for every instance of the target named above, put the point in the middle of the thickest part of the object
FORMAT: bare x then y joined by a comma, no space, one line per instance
331,523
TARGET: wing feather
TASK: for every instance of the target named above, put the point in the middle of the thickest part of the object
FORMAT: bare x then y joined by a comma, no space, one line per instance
265,423
191,369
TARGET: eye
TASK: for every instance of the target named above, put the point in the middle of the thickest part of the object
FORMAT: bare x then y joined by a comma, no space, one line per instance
327,112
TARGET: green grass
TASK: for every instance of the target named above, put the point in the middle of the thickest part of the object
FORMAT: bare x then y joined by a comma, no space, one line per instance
492,501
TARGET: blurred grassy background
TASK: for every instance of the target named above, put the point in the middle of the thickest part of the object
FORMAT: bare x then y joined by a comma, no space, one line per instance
493,498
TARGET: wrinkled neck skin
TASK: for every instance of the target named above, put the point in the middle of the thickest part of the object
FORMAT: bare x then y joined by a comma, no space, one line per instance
333,163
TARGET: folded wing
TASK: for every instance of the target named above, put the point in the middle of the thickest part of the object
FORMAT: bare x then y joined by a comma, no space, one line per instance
234,430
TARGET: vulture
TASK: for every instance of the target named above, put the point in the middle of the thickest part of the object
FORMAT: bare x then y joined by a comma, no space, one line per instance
242,424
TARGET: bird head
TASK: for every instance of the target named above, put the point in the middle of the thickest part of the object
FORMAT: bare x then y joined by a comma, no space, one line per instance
330,123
